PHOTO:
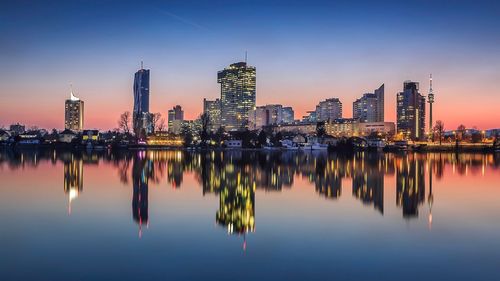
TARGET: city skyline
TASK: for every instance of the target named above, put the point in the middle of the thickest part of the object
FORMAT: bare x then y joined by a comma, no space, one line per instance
326,55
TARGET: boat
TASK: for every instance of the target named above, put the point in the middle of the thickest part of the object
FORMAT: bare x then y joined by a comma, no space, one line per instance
319,146
289,145
376,144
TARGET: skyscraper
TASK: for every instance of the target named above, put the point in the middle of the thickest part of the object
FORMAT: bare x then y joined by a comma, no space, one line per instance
175,119
370,107
238,84
141,117
411,112
329,110
73,113
212,109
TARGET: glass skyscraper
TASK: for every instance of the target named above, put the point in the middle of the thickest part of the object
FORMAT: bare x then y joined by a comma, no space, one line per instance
141,118
411,112
238,86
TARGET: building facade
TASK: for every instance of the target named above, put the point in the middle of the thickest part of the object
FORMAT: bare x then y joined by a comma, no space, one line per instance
212,109
73,113
175,119
287,115
238,94
411,112
271,114
141,118
329,109
370,107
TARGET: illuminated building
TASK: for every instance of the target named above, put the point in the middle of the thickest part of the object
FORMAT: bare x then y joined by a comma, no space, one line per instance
175,119
238,93
141,118
411,112
271,114
212,109
287,115
329,109
370,107
430,101
73,113
165,139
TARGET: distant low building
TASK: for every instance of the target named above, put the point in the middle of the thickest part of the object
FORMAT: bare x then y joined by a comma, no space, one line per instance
165,139
90,136
67,136
17,129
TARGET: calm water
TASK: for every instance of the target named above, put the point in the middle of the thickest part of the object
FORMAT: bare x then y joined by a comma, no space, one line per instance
175,215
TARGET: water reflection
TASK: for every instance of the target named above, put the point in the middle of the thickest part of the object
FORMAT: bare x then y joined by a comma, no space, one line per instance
235,176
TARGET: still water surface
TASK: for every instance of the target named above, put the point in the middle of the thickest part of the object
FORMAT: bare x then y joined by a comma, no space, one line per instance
176,215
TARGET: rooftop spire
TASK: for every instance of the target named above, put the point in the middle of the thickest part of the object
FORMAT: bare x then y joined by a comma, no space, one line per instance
142,65
72,96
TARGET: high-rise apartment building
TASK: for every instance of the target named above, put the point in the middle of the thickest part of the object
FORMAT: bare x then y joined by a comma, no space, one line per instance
271,114
411,112
370,107
329,110
238,94
73,113
212,109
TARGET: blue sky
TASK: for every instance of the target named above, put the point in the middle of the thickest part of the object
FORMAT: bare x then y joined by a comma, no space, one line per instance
304,51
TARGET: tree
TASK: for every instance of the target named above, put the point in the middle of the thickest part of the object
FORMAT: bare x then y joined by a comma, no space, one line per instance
205,123
262,138
219,135
439,130
187,135
124,122
155,118
320,129
161,125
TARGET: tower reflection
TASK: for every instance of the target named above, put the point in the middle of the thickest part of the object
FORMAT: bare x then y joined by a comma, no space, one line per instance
73,177
142,169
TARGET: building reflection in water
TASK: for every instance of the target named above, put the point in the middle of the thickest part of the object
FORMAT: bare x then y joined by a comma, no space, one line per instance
142,170
73,177
235,176
410,184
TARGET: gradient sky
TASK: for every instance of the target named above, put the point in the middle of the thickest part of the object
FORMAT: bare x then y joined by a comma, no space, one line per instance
304,52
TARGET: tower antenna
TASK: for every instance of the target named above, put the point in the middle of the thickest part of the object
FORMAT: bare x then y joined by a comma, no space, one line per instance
246,56
430,100
142,65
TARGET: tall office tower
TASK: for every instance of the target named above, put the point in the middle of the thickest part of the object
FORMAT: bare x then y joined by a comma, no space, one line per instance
411,112
329,110
370,107
287,115
141,117
430,100
73,113
175,119
271,114
212,109
238,84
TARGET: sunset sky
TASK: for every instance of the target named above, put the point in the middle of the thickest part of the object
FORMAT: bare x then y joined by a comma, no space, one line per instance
304,52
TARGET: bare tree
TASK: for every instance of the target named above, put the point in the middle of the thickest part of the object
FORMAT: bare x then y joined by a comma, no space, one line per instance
124,122
439,130
161,124
155,119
